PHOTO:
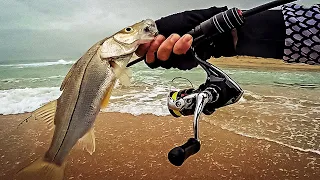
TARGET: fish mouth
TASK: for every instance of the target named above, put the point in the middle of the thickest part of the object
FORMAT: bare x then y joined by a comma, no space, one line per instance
156,33
151,28
152,32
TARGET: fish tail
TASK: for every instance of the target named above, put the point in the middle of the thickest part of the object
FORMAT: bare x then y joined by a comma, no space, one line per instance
41,170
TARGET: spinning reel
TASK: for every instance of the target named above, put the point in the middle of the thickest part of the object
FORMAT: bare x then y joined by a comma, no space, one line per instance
219,90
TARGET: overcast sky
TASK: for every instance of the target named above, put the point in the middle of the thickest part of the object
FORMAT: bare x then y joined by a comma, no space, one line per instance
54,29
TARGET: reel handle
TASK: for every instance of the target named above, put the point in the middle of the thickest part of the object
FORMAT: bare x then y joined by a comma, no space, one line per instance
179,154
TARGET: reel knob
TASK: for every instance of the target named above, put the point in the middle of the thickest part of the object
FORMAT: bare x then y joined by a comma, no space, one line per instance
179,154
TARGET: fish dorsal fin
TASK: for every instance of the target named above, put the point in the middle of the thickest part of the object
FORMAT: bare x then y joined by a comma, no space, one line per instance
88,141
46,113
105,101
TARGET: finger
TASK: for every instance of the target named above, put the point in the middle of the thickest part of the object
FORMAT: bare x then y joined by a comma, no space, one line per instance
183,44
153,48
166,47
142,49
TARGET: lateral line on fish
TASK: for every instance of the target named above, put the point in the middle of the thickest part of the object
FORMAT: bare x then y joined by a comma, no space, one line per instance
64,137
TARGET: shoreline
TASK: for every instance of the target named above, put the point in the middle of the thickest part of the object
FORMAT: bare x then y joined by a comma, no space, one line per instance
136,147
250,62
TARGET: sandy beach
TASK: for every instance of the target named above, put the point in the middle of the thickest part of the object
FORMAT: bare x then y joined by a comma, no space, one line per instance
74,56
261,63
136,147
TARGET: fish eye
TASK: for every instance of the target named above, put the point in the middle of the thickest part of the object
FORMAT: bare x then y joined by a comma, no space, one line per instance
128,29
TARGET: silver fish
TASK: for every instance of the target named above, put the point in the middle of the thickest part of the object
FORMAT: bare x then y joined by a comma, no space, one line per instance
85,89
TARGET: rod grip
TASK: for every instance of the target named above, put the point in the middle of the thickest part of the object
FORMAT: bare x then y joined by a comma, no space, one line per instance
219,23
179,154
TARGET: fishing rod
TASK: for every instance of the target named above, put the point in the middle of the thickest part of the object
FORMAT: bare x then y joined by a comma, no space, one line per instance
219,89
223,22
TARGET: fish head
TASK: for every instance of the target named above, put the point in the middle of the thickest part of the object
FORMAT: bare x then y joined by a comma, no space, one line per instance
127,40
139,33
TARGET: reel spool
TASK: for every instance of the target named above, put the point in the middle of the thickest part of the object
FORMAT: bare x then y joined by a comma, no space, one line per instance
175,95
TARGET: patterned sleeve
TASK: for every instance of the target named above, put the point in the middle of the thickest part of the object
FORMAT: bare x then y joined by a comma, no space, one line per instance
302,41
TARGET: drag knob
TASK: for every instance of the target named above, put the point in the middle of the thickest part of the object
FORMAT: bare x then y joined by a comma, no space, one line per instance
179,154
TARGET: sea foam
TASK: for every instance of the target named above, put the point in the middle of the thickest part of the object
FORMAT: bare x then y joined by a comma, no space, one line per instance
39,64
147,101
16,101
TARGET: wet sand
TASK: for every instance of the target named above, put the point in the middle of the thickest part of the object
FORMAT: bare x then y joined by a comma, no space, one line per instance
136,147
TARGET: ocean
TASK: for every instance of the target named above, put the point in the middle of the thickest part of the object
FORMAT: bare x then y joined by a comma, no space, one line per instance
281,106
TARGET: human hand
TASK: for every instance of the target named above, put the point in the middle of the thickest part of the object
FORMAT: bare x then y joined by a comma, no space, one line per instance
163,47
173,51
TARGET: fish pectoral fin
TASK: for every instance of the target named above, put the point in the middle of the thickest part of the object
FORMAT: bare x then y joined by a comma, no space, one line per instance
88,141
125,77
46,113
123,74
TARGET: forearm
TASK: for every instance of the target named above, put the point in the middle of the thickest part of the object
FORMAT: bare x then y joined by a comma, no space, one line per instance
291,34
263,35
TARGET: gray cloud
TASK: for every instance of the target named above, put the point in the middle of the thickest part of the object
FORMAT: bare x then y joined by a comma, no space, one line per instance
59,28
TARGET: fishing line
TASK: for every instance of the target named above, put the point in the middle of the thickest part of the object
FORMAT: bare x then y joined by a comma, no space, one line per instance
171,82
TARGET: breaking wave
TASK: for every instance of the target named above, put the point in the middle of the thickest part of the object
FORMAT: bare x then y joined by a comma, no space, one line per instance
15,101
39,64
150,100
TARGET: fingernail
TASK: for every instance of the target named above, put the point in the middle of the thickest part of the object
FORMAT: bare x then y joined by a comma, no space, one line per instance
174,38
170,36
157,38
187,38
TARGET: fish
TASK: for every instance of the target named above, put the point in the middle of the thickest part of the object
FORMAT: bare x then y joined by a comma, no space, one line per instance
85,90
